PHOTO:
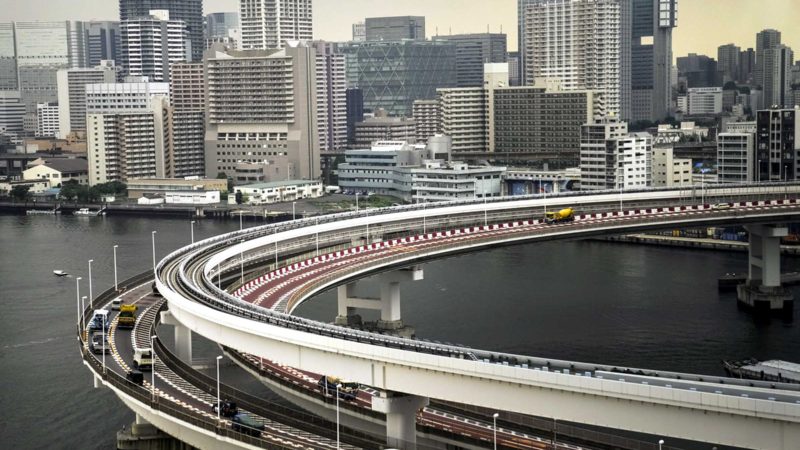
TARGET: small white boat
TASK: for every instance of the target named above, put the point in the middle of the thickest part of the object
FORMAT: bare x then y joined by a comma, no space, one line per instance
60,273
87,212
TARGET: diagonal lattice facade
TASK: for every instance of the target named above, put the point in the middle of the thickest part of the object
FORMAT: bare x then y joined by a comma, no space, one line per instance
394,74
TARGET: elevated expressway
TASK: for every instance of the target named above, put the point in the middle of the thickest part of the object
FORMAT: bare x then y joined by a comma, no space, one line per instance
283,265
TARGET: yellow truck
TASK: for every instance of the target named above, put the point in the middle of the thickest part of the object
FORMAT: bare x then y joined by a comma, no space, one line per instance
565,215
127,316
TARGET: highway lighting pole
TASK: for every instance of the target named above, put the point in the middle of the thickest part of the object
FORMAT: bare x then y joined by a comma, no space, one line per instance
241,259
317,224
337,413
660,443
219,405
555,432
276,249
192,228
153,368
494,428
485,214
115,268
293,213
154,251
104,344
91,297
78,301
356,201
83,309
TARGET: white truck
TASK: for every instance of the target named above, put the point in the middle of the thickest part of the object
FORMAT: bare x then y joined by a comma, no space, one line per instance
143,359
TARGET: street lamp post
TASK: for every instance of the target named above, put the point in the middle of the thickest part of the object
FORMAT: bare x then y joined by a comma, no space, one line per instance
115,268
241,259
154,251
660,443
153,368
192,228
494,428
91,296
78,301
317,225
219,405
293,210
104,344
337,413
356,201
83,309
555,432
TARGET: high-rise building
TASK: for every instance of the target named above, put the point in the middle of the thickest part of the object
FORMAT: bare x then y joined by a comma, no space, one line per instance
103,43
698,70
522,31
40,50
465,118
8,58
359,32
268,24
747,62
776,76
777,145
331,97
392,74
395,28
127,131
220,24
261,107
355,112
47,120
150,44
765,39
188,11
513,68
187,120
587,58
728,62
72,94
426,116
472,52
651,24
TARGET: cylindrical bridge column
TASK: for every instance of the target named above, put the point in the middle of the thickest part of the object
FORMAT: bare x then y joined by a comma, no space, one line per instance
183,337
763,290
401,418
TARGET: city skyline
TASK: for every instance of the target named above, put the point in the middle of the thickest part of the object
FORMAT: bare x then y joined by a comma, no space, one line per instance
694,34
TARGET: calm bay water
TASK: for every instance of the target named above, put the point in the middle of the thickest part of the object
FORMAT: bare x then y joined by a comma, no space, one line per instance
588,301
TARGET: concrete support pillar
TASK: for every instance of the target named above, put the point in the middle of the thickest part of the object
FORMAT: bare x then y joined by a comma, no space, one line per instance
763,290
183,337
388,303
141,420
401,418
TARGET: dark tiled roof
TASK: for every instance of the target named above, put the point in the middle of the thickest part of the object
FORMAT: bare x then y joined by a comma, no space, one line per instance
68,165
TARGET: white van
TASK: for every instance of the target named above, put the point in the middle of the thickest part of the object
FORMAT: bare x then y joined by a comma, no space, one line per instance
99,319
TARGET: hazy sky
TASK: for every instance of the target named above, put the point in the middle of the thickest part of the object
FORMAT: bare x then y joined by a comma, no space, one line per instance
703,24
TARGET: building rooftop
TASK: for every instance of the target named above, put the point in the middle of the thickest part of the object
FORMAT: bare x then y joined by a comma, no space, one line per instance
66,165
275,184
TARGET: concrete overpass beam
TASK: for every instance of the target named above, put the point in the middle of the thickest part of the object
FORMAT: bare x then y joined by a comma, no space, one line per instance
401,417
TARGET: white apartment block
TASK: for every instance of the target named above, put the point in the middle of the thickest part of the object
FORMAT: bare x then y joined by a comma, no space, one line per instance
127,130
596,141
268,24
669,171
438,181
704,101
262,115
465,118
151,44
72,94
578,43
735,154
633,157
46,120
426,115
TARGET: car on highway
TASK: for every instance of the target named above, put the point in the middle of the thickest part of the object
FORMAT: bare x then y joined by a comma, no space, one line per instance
98,343
99,320
247,425
229,409
136,377
116,303
721,206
